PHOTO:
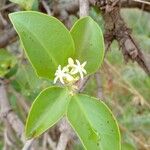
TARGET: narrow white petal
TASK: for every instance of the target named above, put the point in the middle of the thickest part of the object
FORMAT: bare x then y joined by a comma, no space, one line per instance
81,74
84,71
61,80
59,67
70,61
78,63
84,64
55,80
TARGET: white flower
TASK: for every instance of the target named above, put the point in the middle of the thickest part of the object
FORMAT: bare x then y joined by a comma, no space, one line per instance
77,68
62,75
71,72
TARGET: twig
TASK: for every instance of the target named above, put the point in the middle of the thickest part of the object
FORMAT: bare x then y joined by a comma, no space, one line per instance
7,6
20,99
83,8
115,28
6,37
6,138
99,86
66,134
9,116
47,140
135,4
51,143
82,83
4,22
143,2
28,144
47,8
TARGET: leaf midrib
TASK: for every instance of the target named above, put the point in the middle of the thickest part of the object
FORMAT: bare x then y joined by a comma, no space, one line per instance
81,107
41,118
42,45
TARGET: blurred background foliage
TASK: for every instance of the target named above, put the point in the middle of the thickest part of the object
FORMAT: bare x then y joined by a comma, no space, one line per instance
125,87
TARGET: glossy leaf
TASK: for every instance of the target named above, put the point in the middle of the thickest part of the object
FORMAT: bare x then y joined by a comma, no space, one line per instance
89,43
45,39
46,110
94,123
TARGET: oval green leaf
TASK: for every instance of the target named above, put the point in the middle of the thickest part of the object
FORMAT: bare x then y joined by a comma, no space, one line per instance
94,123
46,110
89,43
45,39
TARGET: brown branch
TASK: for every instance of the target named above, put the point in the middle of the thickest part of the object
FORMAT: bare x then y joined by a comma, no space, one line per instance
47,8
7,6
28,145
47,140
84,8
71,7
116,29
21,99
66,134
82,84
8,114
135,4
9,117
126,4
99,86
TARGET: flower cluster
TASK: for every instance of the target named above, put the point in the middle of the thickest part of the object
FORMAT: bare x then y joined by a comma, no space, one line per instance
70,73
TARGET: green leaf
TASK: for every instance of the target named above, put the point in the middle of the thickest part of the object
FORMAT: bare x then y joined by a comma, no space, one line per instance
27,4
89,43
94,123
46,41
28,82
12,71
7,62
46,110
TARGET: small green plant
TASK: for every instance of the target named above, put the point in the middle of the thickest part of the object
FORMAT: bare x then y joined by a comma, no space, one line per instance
27,4
66,57
8,64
